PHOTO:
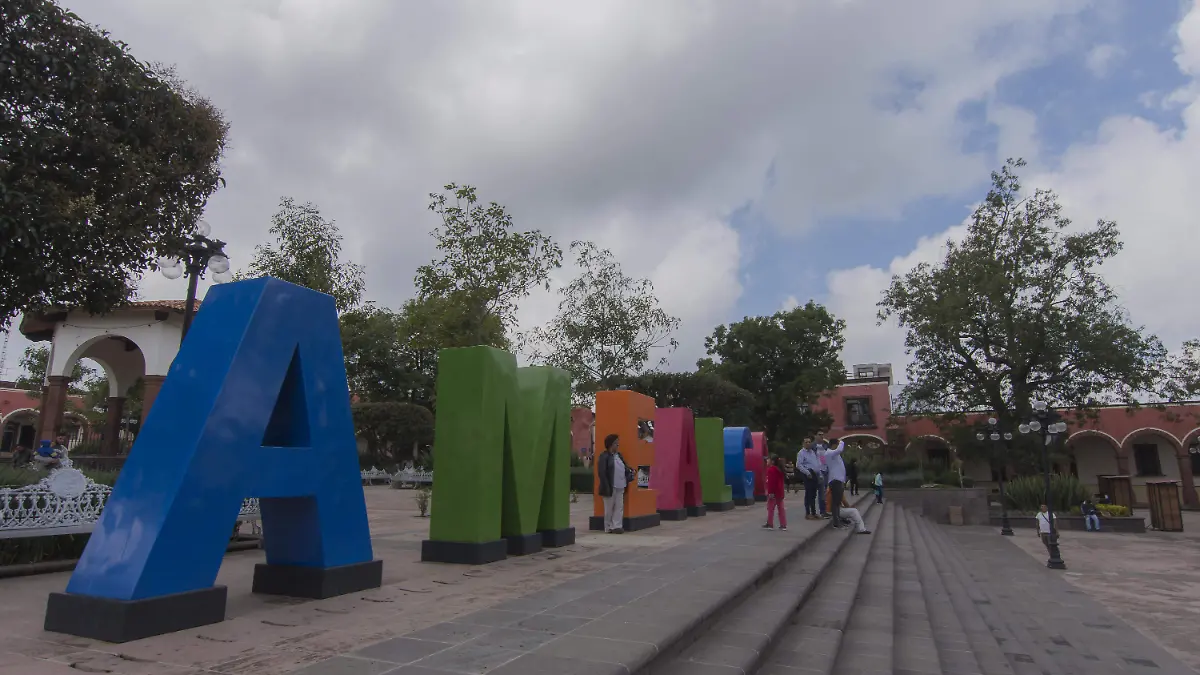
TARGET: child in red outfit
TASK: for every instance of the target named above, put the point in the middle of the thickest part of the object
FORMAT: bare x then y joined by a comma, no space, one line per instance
775,492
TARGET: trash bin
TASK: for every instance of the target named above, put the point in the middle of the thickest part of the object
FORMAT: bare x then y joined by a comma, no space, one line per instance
1165,513
1119,489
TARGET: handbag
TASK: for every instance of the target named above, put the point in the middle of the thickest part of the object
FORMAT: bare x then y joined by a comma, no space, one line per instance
630,474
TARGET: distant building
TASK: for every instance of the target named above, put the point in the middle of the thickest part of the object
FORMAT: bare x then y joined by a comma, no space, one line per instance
1145,444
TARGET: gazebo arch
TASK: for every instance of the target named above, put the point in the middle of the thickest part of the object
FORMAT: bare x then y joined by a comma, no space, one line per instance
934,449
139,340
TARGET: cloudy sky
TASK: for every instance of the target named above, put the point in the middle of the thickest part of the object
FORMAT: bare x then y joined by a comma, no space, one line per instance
745,155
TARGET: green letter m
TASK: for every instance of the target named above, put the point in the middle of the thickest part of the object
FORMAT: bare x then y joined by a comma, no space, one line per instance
502,445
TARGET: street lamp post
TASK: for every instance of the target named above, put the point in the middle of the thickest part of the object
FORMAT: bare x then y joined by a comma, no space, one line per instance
994,434
198,255
1046,422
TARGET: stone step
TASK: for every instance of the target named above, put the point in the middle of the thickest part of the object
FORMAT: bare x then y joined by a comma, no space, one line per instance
984,636
1058,628
737,642
867,644
915,647
810,643
954,650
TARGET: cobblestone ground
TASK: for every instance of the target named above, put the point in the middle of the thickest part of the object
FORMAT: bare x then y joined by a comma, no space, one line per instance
1151,581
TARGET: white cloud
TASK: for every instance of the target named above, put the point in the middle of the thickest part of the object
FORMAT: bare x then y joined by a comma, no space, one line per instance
659,117
1101,58
1140,175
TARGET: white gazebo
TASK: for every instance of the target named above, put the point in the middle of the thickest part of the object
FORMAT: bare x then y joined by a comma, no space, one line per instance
138,340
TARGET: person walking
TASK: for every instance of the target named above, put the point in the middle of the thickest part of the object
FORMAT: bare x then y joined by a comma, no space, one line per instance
1091,517
836,467
808,465
878,485
852,476
613,475
775,494
1043,521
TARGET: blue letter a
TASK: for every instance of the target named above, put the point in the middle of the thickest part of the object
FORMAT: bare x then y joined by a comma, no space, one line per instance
255,405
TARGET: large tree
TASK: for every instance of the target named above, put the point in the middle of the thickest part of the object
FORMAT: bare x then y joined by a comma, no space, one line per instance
394,432
307,252
485,265
377,367
606,326
787,360
1018,311
105,162
708,395
34,363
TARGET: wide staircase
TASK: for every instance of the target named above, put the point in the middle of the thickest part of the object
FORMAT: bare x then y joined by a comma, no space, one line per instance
906,599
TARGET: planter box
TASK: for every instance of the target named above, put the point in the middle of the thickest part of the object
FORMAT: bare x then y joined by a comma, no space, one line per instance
1128,525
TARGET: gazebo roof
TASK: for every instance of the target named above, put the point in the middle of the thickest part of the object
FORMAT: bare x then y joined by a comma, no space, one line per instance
39,326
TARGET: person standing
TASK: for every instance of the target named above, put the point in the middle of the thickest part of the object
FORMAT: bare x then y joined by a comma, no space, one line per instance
878,485
808,465
852,476
613,476
837,479
822,446
1091,517
775,494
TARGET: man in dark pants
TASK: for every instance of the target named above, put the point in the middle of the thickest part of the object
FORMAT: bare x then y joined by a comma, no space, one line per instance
852,476
808,466
837,479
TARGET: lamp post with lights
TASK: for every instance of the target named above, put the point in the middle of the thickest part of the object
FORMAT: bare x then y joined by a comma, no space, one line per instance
199,254
1047,423
995,435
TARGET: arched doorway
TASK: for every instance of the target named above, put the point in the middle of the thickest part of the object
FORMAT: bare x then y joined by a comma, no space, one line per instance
1154,454
18,428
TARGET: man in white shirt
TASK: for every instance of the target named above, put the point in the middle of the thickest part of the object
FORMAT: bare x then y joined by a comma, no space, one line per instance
1043,521
837,479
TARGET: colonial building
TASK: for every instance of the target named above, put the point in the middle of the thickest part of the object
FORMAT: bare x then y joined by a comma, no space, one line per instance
1146,444
19,417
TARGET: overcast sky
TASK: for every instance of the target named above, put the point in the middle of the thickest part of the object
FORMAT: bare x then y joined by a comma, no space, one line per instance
743,155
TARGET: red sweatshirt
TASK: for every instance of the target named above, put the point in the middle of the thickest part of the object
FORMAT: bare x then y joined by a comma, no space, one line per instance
775,482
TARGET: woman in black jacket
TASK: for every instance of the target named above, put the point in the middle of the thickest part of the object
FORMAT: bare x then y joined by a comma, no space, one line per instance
612,474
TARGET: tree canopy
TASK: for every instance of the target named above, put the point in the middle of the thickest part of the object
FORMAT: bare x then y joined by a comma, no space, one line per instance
105,162
34,363
606,325
485,265
307,252
1018,311
394,432
708,395
787,359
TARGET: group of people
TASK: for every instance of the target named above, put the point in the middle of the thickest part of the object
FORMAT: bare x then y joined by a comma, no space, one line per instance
820,464
825,475
48,455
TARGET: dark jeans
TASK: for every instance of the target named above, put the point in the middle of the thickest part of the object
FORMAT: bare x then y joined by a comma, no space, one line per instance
853,483
810,495
821,487
878,494
836,488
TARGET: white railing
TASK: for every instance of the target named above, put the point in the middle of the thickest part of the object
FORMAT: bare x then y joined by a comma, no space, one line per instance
411,476
65,502
372,476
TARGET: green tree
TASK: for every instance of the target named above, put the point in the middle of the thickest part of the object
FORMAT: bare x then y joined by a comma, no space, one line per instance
105,162
485,265
34,362
1183,373
787,360
307,252
394,432
606,325
376,367
1018,311
706,394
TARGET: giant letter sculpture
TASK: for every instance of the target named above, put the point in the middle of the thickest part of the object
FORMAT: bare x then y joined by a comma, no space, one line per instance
676,475
756,456
625,413
737,442
710,452
503,446
255,405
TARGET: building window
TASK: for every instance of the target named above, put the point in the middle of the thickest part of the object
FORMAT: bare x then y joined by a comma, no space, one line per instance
1145,458
858,413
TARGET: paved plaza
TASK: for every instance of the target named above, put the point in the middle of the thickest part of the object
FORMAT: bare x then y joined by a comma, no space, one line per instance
1151,581
268,635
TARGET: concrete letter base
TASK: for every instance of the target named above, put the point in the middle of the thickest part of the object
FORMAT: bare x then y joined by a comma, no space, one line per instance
524,544
118,621
673,514
317,583
558,538
464,552
596,523
719,506
740,501
696,511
